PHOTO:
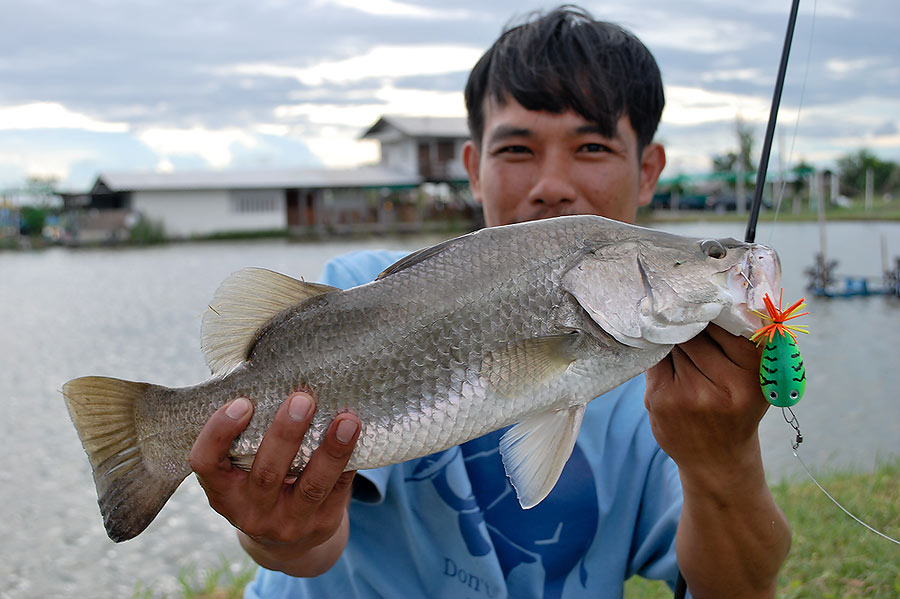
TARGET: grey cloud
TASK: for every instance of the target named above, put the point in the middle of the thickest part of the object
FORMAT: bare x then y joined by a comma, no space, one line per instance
887,128
167,65
445,82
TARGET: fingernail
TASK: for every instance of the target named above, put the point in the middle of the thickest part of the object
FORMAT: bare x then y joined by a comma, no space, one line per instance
345,430
301,406
238,408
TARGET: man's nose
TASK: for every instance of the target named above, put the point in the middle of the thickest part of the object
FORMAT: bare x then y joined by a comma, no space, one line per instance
553,184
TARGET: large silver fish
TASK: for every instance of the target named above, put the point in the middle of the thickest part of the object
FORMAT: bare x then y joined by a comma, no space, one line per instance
522,324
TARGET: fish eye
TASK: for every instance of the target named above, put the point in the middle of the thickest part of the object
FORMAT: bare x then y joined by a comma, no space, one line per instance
713,248
773,395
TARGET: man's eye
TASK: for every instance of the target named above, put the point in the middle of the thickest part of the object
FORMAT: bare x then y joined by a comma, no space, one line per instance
513,150
595,147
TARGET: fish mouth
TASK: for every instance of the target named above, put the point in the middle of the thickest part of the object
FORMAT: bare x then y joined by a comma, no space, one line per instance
748,281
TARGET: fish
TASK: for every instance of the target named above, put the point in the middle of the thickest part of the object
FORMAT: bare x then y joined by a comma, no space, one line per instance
520,325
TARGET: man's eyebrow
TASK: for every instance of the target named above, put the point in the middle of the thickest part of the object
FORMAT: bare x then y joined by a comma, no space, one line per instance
506,131
596,129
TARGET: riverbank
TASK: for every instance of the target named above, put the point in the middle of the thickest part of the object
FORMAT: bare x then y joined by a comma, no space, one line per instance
883,211
831,556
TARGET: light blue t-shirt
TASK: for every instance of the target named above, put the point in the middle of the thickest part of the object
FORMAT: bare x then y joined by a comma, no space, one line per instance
449,524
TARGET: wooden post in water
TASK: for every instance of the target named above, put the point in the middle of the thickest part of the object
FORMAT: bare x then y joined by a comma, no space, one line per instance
820,206
870,184
835,186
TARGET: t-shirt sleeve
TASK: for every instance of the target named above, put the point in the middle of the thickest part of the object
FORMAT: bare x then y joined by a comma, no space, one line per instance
358,268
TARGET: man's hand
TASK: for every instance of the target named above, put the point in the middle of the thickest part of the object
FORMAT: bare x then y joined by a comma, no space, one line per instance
705,406
705,402
296,526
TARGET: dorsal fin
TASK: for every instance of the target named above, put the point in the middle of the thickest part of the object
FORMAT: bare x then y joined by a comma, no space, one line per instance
419,256
241,306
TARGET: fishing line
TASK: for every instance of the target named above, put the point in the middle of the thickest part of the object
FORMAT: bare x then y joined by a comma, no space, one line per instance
750,234
751,226
790,156
795,447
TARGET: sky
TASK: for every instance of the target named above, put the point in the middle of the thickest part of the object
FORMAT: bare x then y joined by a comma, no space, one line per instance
91,86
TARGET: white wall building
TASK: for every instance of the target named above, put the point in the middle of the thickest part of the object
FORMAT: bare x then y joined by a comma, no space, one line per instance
414,150
202,203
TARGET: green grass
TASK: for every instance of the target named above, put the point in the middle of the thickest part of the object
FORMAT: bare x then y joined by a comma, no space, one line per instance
227,581
832,557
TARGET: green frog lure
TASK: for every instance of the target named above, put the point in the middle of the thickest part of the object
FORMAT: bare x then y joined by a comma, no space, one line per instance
782,375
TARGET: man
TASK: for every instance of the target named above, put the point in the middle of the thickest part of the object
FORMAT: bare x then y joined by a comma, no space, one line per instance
562,112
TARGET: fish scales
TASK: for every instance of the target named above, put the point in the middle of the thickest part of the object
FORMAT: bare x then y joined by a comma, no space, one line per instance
517,324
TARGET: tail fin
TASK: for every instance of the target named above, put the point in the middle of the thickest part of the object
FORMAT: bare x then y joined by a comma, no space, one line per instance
130,490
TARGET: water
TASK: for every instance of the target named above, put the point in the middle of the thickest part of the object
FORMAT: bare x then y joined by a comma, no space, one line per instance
135,313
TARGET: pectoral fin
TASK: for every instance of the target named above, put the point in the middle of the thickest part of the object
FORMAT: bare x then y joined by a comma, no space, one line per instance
516,369
535,451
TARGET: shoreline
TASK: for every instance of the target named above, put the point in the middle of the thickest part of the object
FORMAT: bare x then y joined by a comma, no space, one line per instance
645,217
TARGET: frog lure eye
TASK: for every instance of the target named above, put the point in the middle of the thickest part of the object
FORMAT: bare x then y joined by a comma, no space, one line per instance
782,375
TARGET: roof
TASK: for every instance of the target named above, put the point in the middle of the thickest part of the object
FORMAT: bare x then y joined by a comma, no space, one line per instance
420,126
364,176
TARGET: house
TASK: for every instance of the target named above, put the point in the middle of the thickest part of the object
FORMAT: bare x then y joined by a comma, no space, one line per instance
430,147
202,203
420,176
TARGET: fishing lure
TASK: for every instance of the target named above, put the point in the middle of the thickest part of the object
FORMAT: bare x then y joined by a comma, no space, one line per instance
782,375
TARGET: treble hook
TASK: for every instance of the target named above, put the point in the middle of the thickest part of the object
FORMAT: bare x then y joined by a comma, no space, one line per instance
795,424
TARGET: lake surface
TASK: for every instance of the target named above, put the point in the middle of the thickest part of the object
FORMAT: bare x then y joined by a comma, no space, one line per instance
135,314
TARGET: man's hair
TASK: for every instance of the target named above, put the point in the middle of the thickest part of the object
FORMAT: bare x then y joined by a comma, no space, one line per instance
566,60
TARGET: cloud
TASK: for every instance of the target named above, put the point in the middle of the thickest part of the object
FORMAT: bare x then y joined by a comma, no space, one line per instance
378,62
74,156
692,105
212,83
393,8
52,115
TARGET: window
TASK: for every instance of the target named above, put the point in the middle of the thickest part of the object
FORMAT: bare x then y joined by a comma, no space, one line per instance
254,201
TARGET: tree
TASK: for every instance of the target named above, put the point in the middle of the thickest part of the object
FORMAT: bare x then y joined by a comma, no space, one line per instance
732,162
853,168
801,171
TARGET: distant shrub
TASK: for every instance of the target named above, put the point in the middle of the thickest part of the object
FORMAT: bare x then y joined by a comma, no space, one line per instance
147,231
33,220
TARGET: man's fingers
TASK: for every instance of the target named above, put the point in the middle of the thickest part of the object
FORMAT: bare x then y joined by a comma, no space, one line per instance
338,500
705,352
279,446
324,471
209,455
742,352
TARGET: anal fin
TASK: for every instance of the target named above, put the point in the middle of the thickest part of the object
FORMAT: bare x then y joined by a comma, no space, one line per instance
535,451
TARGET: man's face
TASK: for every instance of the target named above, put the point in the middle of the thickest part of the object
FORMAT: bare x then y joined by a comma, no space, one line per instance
534,165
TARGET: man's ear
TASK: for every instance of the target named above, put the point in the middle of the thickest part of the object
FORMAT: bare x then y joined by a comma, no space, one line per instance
471,160
653,161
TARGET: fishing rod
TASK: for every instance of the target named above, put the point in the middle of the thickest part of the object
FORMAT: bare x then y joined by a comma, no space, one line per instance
750,235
